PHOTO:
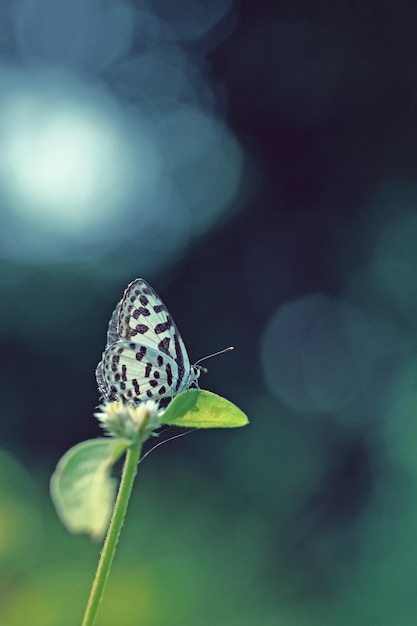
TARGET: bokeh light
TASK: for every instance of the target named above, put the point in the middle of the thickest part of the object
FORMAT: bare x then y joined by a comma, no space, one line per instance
88,165
318,354
67,162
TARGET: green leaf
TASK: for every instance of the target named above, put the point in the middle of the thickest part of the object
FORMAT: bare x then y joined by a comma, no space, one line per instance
81,488
202,409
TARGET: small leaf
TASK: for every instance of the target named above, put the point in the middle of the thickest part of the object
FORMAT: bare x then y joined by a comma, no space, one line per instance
81,488
202,409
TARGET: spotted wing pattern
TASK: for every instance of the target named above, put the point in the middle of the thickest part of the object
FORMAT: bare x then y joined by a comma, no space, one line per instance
112,337
145,356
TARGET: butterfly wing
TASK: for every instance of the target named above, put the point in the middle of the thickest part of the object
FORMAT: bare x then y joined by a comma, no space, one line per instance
113,329
145,356
112,336
133,375
144,318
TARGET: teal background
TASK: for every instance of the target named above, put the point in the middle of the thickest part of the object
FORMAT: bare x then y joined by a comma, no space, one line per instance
264,184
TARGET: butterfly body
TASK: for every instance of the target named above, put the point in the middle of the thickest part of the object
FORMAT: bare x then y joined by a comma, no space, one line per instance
145,356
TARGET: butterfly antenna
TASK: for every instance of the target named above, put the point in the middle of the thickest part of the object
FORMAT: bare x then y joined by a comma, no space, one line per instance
187,432
214,354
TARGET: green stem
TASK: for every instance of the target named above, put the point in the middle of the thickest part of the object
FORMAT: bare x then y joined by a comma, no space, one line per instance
113,533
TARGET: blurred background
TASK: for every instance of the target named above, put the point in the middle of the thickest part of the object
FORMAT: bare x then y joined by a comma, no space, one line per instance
256,162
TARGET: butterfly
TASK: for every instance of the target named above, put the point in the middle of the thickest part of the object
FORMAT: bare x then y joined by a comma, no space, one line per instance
145,356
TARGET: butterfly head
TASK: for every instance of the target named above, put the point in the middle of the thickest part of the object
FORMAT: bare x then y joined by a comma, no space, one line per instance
195,374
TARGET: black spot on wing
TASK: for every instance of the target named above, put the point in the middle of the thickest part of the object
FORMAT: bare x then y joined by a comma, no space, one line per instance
179,358
168,371
115,360
131,332
163,346
139,355
163,327
141,311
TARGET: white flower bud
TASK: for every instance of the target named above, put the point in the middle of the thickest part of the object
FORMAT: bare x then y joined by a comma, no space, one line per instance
131,422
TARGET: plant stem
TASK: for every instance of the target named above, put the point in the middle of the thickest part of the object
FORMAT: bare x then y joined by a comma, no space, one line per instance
113,533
